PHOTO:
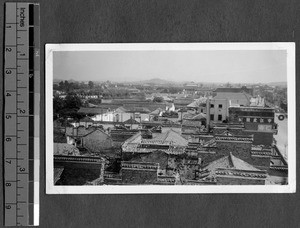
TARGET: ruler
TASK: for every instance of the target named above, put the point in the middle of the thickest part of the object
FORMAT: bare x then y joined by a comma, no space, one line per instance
21,114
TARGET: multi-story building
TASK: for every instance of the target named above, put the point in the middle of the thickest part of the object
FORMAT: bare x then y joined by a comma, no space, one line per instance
258,121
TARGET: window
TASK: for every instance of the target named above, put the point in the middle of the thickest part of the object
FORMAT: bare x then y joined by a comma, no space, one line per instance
219,117
212,117
212,105
220,106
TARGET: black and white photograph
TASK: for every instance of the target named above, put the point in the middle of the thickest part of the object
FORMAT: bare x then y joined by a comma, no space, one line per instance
170,118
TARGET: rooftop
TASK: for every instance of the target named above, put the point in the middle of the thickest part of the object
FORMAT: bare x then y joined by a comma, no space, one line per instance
171,136
131,121
86,119
198,102
232,90
233,97
79,131
153,157
229,162
65,149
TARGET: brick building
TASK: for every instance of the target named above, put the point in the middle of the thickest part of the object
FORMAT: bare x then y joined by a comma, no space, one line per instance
258,121
230,170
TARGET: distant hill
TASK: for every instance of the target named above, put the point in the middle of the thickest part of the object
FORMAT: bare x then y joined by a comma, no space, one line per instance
280,84
56,80
155,81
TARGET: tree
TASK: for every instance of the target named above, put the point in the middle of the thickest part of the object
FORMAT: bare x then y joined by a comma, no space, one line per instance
72,101
158,99
58,105
91,84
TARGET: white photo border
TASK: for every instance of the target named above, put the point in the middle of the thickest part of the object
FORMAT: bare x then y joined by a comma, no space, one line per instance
162,189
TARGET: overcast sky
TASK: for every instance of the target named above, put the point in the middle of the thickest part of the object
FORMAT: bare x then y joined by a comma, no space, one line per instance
198,66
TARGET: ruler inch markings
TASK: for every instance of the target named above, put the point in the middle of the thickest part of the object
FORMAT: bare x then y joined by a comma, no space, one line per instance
18,168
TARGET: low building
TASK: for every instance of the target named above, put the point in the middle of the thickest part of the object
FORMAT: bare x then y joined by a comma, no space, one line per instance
93,139
98,114
193,123
131,124
230,170
97,141
171,142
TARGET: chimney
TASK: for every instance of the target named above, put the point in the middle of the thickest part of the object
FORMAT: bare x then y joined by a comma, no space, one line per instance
207,114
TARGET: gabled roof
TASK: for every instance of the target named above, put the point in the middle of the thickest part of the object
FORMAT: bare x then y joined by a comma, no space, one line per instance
134,139
121,110
130,121
190,116
97,131
227,133
198,102
230,162
171,136
241,165
199,116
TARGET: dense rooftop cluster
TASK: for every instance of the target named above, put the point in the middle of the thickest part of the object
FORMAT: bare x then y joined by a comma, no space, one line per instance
191,136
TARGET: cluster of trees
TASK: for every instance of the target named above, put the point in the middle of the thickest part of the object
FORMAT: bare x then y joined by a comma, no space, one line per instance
278,97
67,107
172,90
158,99
68,86
170,114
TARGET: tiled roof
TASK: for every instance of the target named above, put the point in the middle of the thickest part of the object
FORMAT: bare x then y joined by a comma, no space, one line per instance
183,101
233,90
65,149
151,106
122,135
172,136
199,116
170,142
230,162
137,109
191,123
240,164
156,111
190,116
233,97
79,131
198,102
121,110
86,119
97,130
155,157
130,121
